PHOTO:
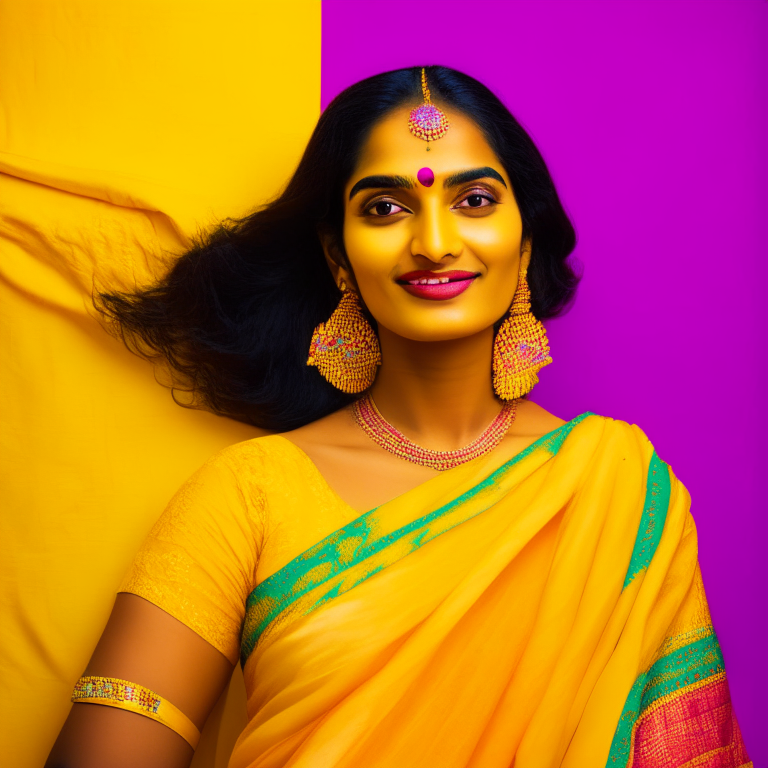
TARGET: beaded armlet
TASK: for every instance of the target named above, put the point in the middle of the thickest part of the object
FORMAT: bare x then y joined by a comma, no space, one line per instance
122,694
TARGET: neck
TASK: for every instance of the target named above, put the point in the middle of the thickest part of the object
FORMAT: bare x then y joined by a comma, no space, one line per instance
438,394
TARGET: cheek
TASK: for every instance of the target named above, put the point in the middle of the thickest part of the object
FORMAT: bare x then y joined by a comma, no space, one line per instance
374,252
496,239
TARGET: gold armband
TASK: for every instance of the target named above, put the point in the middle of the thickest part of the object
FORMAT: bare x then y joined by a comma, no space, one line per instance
122,694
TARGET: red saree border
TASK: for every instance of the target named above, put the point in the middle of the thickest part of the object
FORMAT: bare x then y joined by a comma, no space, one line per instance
692,727
678,714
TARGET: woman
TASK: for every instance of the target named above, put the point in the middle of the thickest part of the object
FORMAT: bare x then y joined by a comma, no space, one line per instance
424,568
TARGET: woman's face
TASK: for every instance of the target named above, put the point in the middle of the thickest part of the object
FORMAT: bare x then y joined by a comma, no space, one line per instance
464,230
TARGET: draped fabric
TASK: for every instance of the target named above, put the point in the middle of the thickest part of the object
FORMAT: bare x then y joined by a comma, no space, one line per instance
124,129
549,612
541,610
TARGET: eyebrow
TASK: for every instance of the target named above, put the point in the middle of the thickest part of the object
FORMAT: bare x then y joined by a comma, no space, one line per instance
382,182
473,174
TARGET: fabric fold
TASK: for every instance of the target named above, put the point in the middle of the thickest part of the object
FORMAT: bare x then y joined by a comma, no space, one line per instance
494,616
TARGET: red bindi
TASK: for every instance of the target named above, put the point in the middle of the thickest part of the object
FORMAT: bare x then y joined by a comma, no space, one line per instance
426,177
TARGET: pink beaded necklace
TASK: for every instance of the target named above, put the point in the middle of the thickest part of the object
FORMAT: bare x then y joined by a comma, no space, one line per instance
391,439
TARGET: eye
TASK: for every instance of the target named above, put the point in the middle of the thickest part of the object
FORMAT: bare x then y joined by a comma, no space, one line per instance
383,208
477,199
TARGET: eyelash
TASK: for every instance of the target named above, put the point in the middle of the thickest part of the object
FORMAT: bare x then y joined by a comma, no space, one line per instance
369,208
484,193
480,192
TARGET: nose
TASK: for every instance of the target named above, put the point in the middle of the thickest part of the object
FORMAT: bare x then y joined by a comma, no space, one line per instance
435,234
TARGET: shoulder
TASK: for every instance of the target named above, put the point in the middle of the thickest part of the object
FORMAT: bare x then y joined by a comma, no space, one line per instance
623,444
239,476
534,421
620,430
590,433
264,470
255,456
336,430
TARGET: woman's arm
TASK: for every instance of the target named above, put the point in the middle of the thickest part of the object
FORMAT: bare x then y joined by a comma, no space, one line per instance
145,645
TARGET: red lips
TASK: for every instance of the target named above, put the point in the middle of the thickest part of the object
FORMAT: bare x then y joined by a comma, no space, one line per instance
436,286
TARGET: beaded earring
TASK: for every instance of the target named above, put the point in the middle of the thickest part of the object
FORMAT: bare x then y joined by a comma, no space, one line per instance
521,347
345,349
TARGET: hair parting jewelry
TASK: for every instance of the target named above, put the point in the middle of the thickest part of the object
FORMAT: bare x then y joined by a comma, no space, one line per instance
391,439
427,122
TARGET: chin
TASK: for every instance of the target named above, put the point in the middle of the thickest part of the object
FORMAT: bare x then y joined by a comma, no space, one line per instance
437,332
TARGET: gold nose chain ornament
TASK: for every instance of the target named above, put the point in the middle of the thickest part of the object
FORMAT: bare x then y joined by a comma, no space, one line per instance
427,122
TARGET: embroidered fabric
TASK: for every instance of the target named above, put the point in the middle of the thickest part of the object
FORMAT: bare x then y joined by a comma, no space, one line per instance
243,515
199,561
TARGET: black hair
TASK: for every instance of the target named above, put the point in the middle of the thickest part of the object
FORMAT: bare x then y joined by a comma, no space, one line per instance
234,315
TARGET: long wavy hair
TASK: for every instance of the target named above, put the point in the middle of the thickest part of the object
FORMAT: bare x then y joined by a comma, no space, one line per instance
233,317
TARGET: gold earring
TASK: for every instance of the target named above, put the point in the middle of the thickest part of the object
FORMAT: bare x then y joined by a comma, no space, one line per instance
521,347
345,349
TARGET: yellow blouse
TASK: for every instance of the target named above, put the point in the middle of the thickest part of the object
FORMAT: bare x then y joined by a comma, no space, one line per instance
241,517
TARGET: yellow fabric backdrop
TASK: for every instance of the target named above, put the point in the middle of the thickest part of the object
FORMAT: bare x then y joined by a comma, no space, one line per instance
125,128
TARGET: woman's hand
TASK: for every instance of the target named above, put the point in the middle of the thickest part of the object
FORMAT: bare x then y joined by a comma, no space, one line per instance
147,646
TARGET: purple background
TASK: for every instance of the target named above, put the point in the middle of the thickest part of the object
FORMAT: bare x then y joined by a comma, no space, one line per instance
653,118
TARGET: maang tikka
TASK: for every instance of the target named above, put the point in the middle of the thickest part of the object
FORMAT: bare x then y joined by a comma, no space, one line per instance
427,122
521,347
345,348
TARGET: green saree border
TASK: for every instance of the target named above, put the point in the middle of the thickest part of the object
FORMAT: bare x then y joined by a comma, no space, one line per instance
688,665
657,493
349,546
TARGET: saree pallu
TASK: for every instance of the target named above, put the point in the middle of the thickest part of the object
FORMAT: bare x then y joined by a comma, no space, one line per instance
545,612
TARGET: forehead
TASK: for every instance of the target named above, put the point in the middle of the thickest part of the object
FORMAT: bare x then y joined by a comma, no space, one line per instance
392,149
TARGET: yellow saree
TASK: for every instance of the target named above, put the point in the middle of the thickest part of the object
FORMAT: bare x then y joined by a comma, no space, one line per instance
545,612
